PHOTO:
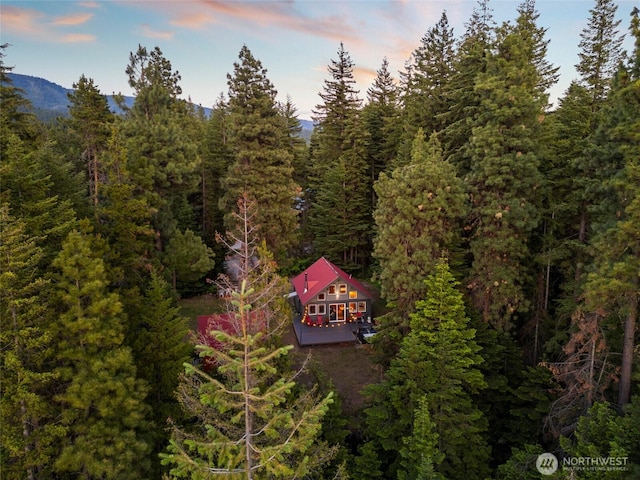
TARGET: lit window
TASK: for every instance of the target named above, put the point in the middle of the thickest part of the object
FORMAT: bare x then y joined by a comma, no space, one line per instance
353,307
353,294
343,288
332,289
362,306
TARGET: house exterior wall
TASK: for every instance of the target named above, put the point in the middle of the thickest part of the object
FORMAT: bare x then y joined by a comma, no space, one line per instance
339,302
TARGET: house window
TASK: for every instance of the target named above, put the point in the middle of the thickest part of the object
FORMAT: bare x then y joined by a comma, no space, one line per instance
353,294
343,288
337,312
353,308
322,309
332,289
362,306
321,296
312,310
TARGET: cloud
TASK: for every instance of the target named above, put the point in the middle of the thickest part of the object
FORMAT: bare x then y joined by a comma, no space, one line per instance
195,21
35,24
75,19
89,4
149,32
24,21
249,15
77,38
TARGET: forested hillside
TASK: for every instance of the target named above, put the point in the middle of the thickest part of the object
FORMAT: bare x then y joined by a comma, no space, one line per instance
503,236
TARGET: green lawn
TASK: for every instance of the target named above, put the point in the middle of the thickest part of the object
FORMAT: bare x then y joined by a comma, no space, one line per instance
201,305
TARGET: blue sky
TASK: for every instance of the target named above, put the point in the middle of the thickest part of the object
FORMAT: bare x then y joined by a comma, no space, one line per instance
295,40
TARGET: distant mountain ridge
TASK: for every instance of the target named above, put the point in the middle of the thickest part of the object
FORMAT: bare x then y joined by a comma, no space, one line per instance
48,96
49,100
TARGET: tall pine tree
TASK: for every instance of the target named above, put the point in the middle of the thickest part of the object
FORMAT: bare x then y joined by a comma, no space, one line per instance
424,101
89,121
101,399
504,178
262,159
340,186
419,218
29,433
438,365
248,422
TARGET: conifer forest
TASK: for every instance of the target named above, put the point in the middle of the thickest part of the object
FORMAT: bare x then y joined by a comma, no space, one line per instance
500,232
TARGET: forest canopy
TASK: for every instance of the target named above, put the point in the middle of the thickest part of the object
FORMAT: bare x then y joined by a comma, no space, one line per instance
502,234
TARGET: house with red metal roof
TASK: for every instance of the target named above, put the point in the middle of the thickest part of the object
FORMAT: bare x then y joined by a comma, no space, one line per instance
330,303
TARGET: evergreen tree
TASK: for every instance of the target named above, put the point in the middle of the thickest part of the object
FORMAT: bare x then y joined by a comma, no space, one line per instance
162,159
295,142
101,401
249,423
472,55
419,218
601,433
536,48
155,83
340,187
187,257
522,465
89,121
28,189
438,364
216,158
15,115
429,71
342,211
382,119
600,53
613,286
124,218
29,433
571,126
504,179
600,50
161,347
262,159
334,115
420,454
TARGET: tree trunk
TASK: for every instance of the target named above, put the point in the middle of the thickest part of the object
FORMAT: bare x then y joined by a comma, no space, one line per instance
582,237
624,389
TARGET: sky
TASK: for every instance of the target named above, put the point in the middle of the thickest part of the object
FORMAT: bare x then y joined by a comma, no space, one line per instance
295,40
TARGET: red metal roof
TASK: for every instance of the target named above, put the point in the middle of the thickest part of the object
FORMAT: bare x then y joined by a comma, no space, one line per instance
319,276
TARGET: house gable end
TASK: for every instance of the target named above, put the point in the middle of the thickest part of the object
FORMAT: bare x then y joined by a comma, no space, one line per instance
317,278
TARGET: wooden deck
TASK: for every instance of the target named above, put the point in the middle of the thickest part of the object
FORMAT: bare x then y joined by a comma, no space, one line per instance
339,332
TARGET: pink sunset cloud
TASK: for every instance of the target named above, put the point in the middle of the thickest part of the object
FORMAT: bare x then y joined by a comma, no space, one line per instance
23,21
149,32
283,15
194,21
77,38
74,19
33,23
